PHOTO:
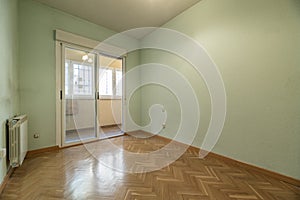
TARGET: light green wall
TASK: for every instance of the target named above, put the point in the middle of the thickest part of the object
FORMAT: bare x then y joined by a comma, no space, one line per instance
256,46
9,99
154,94
134,102
37,64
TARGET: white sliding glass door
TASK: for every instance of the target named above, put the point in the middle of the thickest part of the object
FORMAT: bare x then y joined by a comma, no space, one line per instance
79,100
91,96
110,96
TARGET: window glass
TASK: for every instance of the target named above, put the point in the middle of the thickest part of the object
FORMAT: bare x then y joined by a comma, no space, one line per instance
118,83
79,73
78,79
82,83
105,82
67,77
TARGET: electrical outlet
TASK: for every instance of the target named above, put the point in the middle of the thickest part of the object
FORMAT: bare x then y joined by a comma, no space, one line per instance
2,153
164,125
35,136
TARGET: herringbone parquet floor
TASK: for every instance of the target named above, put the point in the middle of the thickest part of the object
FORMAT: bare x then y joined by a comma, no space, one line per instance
72,173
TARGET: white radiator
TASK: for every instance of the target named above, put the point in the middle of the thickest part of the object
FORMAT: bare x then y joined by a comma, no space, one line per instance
17,140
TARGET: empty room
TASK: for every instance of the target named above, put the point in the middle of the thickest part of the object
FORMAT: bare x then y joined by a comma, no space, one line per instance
150,99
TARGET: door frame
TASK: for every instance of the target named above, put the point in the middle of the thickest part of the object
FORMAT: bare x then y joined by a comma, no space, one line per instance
59,51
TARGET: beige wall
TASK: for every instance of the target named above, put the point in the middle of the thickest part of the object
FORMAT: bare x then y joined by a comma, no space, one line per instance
109,113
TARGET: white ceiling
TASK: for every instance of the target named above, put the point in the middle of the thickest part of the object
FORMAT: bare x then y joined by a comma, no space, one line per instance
121,15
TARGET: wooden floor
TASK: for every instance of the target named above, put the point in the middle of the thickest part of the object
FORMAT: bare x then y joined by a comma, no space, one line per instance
72,173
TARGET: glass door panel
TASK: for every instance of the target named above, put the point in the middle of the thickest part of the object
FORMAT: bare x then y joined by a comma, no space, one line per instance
79,103
110,96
